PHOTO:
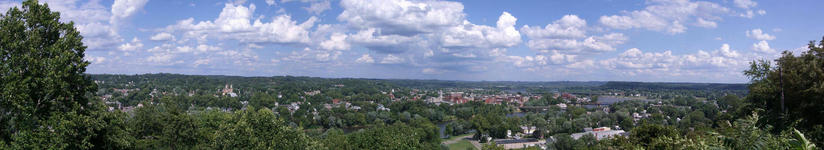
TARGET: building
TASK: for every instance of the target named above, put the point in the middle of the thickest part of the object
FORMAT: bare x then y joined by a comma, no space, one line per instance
312,93
528,129
599,133
562,105
229,90
519,143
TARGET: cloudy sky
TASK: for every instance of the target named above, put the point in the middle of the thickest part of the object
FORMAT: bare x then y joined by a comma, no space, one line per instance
581,40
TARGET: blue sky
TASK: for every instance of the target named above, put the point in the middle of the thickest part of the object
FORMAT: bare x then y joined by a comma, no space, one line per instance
530,40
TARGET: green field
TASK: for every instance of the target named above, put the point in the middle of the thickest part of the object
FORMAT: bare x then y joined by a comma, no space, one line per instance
461,145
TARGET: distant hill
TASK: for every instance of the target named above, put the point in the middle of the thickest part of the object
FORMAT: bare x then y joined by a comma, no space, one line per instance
673,86
219,81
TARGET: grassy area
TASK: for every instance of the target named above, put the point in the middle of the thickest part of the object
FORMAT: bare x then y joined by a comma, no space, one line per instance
456,136
461,145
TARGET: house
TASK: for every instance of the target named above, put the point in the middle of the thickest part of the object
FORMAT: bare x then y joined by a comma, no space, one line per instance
562,105
528,129
312,93
381,108
293,107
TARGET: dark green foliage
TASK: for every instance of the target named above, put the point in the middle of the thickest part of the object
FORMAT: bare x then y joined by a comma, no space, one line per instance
45,95
249,129
798,81
398,136
646,133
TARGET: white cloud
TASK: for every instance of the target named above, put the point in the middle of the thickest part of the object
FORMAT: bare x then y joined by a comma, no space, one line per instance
365,59
202,48
592,44
374,40
91,19
757,34
270,2
479,36
762,47
570,26
202,61
160,58
5,5
318,7
235,22
746,4
391,59
308,55
242,57
633,62
727,52
747,14
701,22
428,34
666,16
337,41
122,9
432,71
163,36
402,16
134,45
95,59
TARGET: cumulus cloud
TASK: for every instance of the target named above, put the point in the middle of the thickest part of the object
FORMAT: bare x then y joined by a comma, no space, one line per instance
391,59
374,40
762,47
235,22
337,41
92,20
570,26
122,9
428,34
160,58
757,34
480,36
402,16
163,36
308,55
432,71
592,44
636,62
95,59
318,7
365,59
701,22
667,16
744,3
134,45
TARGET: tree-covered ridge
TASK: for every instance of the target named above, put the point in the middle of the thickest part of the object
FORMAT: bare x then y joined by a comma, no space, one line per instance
674,86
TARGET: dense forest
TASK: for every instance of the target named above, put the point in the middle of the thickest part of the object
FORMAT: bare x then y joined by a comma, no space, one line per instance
47,101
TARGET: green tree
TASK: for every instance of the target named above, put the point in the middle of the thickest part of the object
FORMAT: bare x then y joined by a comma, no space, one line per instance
646,133
46,100
249,129
791,91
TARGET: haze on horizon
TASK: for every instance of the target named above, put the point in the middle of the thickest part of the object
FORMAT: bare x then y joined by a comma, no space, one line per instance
652,40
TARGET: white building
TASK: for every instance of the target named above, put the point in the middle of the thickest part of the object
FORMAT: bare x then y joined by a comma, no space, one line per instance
599,133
